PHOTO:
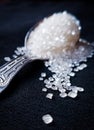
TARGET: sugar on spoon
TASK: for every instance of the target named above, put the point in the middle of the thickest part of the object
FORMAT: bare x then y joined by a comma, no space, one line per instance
54,35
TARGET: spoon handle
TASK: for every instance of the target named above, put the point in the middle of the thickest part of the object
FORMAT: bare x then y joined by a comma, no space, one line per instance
9,70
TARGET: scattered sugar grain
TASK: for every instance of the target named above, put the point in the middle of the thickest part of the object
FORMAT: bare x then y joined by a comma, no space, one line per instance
80,89
76,69
49,95
51,79
63,95
54,87
47,119
68,84
14,56
75,89
44,89
43,74
7,59
72,74
61,89
72,94
40,78
82,66
17,52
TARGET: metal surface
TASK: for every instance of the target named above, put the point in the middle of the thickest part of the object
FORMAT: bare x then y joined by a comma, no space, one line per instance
10,69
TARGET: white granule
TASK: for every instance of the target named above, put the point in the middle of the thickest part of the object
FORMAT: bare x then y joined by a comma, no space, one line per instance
49,95
43,74
47,119
40,78
72,94
17,52
14,56
82,66
44,89
63,95
7,58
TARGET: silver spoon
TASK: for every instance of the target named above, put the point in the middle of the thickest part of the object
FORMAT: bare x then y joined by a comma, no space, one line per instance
10,69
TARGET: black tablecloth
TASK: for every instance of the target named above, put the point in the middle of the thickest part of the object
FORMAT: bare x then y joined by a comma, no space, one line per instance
23,103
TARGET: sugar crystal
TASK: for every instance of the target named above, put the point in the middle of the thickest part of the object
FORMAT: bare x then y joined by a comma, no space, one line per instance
47,119
7,59
49,95
72,94
44,89
43,74
63,95
40,78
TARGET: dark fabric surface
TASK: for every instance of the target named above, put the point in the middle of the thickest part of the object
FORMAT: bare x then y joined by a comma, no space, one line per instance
23,103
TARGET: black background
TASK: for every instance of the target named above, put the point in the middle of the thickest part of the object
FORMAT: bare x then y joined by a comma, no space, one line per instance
23,103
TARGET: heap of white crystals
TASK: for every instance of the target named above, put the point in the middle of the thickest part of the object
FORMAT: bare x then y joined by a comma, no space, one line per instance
54,35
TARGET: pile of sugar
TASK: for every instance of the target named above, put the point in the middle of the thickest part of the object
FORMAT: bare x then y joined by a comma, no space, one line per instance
54,35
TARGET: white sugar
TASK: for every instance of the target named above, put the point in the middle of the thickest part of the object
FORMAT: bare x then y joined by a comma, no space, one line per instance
63,95
72,94
43,74
14,56
72,74
7,58
54,35
44,89
80,89
75,89
17,52
49,95
51,79
61,89
82,66
40,78
47,119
